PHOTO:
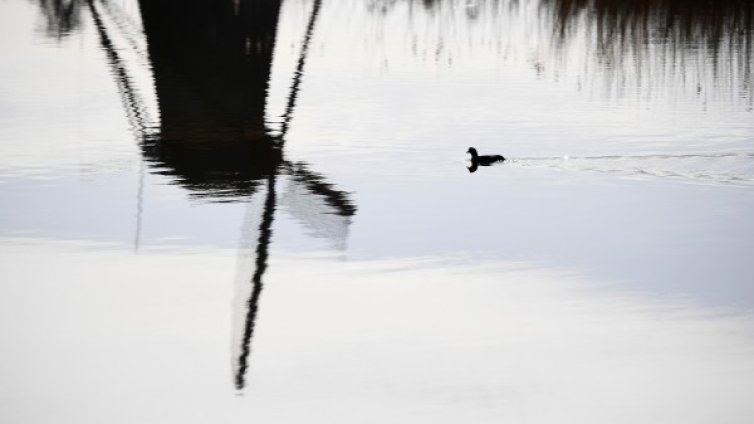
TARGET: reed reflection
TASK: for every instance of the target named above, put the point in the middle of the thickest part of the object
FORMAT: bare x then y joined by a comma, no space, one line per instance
681,22
658,40
654,47
61,17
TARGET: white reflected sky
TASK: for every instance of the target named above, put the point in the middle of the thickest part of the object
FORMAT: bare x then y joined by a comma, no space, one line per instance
401,340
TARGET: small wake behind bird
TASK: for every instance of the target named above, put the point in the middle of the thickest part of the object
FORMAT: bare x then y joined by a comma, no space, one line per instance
732,168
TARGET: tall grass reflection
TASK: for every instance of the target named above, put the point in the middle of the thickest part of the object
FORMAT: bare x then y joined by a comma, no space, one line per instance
214,138
61,17
652,48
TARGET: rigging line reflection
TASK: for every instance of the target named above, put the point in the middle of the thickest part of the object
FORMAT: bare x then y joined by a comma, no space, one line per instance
320,207
252,306
299,73
128,29
135,110
223,153
139,207
315,186
133,105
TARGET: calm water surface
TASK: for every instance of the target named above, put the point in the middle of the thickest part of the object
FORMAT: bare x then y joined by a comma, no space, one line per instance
234,211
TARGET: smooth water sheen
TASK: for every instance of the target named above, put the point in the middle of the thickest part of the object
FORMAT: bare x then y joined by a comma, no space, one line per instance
263,212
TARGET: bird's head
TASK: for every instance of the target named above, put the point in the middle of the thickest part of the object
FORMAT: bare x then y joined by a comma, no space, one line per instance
472,152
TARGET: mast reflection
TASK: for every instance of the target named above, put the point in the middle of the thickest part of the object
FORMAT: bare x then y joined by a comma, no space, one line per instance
211,63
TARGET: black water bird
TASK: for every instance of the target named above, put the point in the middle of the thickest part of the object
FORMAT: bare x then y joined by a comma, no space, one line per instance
483,160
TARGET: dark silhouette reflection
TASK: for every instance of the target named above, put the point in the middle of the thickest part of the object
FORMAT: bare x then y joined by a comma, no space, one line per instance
210,63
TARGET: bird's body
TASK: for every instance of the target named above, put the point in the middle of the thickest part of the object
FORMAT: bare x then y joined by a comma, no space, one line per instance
482,160
489,159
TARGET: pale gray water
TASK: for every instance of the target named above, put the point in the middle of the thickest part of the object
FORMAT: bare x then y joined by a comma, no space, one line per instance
602,274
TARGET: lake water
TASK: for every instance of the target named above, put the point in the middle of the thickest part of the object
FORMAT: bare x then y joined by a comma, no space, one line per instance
264,211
